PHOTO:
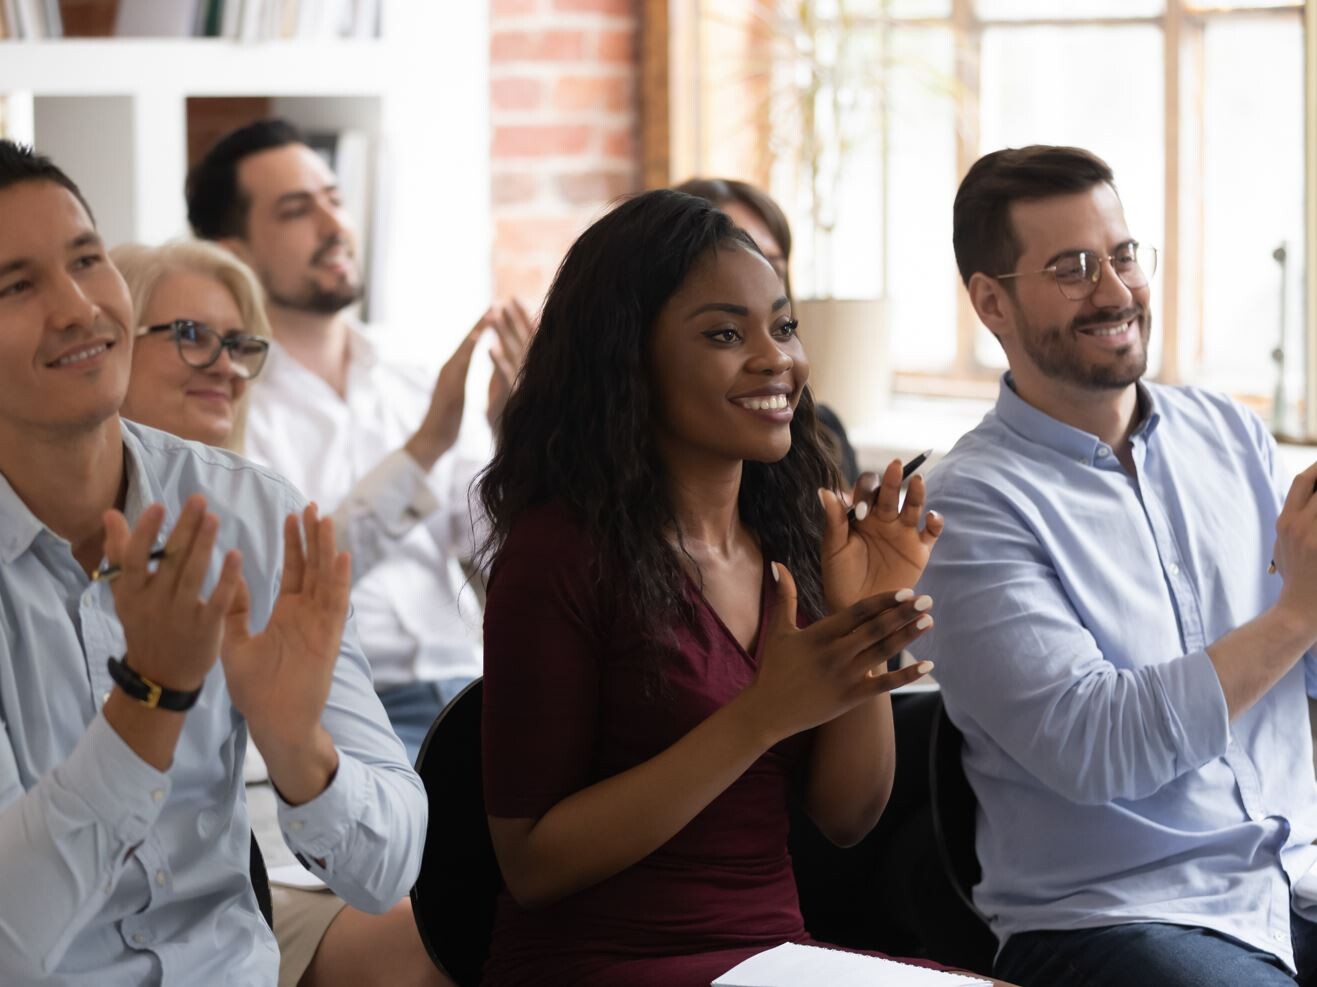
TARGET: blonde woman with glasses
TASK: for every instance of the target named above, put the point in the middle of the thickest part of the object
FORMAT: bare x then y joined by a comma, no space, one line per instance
202,338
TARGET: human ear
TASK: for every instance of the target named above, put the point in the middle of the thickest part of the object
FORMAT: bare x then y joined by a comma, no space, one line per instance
992,303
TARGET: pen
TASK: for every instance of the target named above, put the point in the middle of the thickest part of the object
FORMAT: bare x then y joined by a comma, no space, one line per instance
111,572
906,472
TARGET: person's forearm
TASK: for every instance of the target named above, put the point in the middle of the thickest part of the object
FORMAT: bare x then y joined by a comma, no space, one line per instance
851,770
425,449
152,733
601,830
1255,656
299,770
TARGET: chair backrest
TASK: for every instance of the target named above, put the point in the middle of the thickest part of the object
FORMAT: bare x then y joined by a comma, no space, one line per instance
261,883
954,807
454,895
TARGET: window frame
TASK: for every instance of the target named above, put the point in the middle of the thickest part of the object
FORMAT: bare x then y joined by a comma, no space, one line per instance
671,127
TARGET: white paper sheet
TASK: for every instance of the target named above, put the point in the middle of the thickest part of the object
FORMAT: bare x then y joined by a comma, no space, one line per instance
794,965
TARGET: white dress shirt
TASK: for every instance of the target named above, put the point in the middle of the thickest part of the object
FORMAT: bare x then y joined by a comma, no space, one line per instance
418,618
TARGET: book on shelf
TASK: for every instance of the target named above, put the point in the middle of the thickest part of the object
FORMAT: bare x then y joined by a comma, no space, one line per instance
235,20
157,18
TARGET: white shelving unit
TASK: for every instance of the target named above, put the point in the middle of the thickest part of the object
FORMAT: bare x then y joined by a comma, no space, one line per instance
112,112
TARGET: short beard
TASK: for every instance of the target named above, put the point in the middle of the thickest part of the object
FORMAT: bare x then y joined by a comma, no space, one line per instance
317,300
1055,353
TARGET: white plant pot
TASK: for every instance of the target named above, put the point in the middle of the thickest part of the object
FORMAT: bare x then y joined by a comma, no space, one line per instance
850,364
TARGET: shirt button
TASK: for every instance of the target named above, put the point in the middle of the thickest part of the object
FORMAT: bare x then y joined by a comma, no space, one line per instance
158,795
160,878
139,938
1173,569
1103,451
296,825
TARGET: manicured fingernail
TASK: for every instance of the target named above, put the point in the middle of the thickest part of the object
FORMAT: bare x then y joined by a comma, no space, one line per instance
873,673
924,667
923,603
924,622
904,594
934,514
776,577
861,510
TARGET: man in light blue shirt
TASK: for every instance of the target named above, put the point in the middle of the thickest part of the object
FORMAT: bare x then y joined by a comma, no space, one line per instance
124,836
1129,678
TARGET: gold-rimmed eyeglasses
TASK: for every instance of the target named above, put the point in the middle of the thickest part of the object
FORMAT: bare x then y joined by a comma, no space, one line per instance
1077,274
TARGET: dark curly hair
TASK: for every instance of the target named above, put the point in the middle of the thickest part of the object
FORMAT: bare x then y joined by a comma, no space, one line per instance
579,428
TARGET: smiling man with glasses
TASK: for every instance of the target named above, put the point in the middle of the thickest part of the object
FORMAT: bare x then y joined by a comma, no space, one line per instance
1129,678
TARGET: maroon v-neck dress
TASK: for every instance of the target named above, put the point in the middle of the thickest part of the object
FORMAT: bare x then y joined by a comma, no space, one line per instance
566,706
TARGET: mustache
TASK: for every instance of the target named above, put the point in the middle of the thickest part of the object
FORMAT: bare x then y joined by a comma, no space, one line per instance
1106,316
326,247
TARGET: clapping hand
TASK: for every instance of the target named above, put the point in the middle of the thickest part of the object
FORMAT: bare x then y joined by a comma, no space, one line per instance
172,634
812,676
884,548
515,329
279,678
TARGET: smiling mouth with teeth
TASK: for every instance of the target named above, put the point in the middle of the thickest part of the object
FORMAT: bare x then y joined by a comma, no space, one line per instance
83,354
773,402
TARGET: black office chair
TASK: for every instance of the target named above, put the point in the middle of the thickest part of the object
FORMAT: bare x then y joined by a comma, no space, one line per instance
261,883
970,942
454,895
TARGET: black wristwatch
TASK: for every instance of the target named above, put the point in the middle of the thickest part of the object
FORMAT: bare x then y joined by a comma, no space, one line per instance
150,693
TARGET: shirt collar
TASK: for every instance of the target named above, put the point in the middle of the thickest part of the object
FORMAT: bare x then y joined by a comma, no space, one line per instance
20,527
1074,443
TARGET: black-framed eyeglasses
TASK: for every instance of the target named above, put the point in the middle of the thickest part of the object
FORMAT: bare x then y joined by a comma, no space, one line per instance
200,346
1077,274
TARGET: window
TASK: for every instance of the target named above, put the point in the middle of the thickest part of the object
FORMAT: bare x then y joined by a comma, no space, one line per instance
1198,107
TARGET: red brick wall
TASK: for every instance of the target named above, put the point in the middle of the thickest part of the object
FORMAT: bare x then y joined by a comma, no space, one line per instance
564,79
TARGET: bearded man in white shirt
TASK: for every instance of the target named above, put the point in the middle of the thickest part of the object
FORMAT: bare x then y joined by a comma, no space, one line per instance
371,440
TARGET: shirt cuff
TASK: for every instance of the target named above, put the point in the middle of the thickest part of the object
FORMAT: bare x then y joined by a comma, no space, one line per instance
396,492
1195,710
315,830
122,791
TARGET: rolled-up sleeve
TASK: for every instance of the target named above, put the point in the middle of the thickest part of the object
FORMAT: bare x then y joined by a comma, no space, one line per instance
65,843
1015,660
364,834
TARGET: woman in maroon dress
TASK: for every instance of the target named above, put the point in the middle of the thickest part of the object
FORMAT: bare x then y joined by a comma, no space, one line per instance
683,630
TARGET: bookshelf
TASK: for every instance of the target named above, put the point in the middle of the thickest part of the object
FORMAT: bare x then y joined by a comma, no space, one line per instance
113,112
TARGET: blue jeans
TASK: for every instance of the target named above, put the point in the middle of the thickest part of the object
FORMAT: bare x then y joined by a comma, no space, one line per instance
1154,954
413,707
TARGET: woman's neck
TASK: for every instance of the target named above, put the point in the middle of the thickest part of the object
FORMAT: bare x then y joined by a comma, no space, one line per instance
704,494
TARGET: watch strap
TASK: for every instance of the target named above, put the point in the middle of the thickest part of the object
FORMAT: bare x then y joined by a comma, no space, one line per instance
148,693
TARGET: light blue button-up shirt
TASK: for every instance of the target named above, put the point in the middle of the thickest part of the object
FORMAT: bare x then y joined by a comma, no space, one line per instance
112,872
1074,605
